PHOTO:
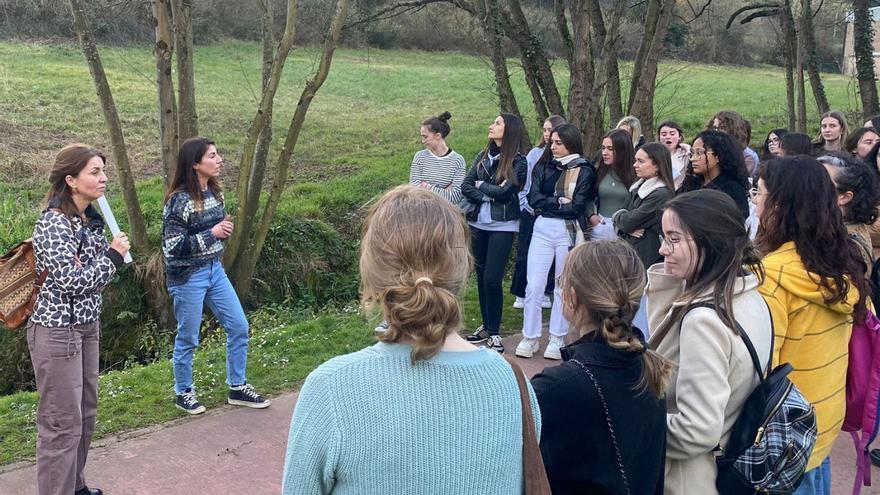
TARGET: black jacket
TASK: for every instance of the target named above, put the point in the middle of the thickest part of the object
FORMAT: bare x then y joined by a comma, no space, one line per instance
735,190
575,441
504,199
542,195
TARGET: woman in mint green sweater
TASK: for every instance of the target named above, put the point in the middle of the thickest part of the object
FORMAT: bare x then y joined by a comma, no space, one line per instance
422,411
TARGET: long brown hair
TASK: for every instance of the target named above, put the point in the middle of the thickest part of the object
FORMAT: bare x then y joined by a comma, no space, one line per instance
185,177
415,260
624,156
512,144
844,128
663,161
71,160
724,252
608,279
801,206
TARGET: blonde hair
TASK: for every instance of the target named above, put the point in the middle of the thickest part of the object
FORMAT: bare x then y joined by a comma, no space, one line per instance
608,279
635,127
415,260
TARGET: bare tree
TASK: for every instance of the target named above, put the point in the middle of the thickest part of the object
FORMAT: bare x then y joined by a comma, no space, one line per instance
188,121
863,44
165,82
641,95
808,38
157,297
248,263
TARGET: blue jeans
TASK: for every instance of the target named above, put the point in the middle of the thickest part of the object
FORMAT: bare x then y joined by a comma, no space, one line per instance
210,285
817,481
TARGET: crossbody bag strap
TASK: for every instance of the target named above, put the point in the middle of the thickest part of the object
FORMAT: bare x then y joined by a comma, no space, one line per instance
534,475
608,422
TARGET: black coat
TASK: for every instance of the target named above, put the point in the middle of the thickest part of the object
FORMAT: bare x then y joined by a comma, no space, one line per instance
543,198
735,190
504,199
575,440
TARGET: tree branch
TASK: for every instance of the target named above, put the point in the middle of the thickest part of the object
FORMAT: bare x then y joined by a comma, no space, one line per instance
405,7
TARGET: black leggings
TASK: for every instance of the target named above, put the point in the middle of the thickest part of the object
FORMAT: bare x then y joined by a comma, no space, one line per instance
520,267
491,251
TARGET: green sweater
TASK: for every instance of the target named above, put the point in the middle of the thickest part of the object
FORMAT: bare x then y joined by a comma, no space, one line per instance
613,195
373,423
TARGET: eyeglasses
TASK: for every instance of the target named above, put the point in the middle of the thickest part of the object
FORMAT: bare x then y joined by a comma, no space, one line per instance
696,152
670,243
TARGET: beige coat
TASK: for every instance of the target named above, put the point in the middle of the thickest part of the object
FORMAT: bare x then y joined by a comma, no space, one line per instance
714,377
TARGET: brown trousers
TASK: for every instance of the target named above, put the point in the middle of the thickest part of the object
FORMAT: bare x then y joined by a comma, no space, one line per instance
66,367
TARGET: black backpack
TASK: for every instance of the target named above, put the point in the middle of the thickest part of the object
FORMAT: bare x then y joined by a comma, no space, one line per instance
772,439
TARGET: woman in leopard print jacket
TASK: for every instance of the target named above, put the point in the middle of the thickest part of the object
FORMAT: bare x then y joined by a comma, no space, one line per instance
63,332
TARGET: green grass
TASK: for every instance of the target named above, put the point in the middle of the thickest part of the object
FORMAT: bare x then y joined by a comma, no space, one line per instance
358,139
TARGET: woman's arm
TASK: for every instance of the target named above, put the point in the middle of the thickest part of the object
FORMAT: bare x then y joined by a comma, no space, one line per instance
313,445
645,215
507,189
415,170
57,246
702,388
176,239
584,193
453,191
539,201
469,185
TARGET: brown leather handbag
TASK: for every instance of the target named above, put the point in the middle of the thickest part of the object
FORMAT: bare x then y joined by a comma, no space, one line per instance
534,475
19,284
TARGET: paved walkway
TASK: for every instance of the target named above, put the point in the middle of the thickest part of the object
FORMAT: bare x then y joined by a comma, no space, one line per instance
234,450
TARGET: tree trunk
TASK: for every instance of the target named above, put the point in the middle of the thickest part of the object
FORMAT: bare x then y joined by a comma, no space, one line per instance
790,49
165,84
645,71
582,69
811,59
801,120
157,297
239,241
255,186
564,33
495,33
187,118
249,262
615,101
863,44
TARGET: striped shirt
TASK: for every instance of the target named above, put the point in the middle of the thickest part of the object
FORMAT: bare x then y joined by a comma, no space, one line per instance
444,173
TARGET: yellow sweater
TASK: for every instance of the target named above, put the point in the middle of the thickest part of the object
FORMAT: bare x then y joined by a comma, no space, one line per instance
813,336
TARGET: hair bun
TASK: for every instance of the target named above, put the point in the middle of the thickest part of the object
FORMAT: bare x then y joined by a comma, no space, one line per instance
444,116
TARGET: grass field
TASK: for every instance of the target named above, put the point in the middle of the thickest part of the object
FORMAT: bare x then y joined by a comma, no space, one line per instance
358,140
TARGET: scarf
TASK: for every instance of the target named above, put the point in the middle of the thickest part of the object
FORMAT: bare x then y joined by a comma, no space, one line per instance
571,168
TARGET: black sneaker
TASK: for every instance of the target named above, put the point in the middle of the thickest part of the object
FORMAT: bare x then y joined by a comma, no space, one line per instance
188,402
88,491
495,343
246,396
479,336
875,457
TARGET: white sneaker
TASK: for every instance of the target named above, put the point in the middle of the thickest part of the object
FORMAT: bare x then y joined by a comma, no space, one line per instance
546,303
519,302
552,351
527,347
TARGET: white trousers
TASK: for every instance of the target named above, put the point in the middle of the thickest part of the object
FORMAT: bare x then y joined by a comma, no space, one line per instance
549,241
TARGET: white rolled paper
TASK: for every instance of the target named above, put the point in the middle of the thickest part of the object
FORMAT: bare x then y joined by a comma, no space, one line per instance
111,221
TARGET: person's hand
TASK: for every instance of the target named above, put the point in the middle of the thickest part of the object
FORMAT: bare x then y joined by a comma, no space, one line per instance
563,200
595,220
120,244
478,183
223,229
638,233
425,185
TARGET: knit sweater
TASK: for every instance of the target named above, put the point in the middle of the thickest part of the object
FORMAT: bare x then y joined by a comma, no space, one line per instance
187,241
444,173
372,422
813,336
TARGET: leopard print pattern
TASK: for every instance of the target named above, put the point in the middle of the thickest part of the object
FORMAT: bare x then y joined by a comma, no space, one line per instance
71,294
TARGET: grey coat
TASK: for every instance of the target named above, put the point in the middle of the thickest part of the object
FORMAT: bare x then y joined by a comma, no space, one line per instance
642,211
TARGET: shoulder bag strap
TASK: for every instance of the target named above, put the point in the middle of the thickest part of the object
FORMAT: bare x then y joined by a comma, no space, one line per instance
534,475
608,422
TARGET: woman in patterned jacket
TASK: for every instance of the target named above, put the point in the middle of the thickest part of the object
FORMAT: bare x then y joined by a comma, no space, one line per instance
63,332
194,224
